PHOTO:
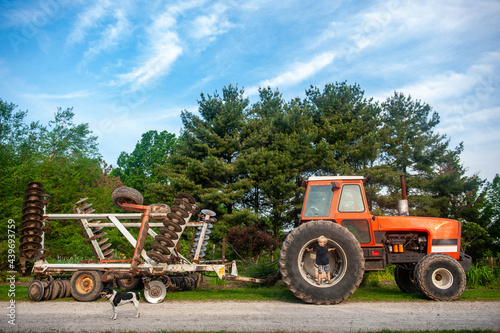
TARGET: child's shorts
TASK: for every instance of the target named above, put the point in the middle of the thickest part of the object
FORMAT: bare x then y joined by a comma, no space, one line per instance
322,268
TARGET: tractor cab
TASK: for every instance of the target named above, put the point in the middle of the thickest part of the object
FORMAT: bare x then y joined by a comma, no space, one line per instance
341,200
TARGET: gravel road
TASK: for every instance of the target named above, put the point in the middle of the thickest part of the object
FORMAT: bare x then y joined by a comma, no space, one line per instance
253,316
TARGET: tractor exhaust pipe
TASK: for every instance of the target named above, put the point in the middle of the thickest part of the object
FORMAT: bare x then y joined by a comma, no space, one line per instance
403,209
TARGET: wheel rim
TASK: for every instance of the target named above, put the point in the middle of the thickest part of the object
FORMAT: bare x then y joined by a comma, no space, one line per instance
84,284
309,270
156,292
442,278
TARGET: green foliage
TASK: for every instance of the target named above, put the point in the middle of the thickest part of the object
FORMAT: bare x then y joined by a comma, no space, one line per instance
490,214
246,162
480,275
251,241
63,156
138,169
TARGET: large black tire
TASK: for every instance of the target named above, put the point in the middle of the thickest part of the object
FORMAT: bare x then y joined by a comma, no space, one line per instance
126,195
130,284
299,271
440,277
405,279
86,286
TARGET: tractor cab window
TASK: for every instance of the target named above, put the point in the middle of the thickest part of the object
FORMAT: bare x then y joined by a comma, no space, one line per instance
319,200
351,199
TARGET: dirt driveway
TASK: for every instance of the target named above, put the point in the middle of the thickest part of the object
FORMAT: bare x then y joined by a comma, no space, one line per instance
253,316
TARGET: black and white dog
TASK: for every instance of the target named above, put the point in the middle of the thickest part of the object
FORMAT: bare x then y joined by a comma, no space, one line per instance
117,299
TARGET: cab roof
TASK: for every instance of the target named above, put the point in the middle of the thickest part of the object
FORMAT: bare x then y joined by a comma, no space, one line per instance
335,178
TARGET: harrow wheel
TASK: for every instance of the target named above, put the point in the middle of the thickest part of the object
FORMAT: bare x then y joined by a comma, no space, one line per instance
129,284
156,292
86,285
126,195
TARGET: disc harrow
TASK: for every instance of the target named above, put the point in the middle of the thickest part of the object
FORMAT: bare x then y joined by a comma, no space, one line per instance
200,237
94,235
33,224
164,250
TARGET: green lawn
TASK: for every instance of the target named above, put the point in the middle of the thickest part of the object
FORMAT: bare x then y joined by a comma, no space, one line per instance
389,292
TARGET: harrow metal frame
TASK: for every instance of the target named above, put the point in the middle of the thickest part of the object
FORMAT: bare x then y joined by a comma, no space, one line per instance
42,267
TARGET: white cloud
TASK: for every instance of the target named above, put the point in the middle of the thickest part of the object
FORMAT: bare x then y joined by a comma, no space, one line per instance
164,47
110,37
88,20
212,24
297,73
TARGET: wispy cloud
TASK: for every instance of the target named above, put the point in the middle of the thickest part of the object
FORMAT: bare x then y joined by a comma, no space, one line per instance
110,37
164,47
296,73
212,24
87,20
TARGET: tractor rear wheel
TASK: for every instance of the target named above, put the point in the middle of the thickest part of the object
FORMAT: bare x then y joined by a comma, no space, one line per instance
299,270
86,285
405,279
126,195
440,277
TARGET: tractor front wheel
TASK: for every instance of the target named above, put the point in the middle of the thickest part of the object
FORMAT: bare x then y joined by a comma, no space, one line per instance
440,277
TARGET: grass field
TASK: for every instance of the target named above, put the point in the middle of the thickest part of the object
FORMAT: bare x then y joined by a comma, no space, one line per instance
250,292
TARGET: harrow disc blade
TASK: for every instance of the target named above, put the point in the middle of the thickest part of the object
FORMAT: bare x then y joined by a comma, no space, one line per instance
157,257
33,197
32,217
165,241
105,246
30,231
33,210
47,291
176,218
179,211
30,238
208,212
102,241
35,291
32,224
186,197
160,248
30,246
34,184
172,226
184,205
168,233
33,203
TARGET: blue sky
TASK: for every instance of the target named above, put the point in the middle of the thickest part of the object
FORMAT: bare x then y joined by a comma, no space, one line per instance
130,66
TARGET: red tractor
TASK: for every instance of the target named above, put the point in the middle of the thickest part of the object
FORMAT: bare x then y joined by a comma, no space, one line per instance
425,250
